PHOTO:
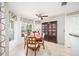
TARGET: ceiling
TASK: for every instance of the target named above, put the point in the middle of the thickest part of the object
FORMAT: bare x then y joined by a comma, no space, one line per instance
30,9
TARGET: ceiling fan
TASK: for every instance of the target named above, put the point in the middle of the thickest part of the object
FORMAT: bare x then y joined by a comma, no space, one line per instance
41,16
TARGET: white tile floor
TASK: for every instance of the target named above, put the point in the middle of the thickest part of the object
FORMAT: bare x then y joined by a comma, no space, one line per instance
51,49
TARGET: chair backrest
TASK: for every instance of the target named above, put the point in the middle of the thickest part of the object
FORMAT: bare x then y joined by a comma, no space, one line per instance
31,40
25,35
43,35
32,34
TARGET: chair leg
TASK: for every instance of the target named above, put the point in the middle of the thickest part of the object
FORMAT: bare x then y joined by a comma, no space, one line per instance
43,46
27,52
35,53
24,45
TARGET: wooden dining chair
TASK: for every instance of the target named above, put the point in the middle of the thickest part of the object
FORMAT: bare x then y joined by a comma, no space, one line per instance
41,40
25,39
32,44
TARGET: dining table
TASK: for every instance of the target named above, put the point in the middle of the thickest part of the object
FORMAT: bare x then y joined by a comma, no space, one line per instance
38,37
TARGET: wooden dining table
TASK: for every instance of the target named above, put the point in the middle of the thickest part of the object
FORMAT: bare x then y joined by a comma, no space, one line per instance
38,37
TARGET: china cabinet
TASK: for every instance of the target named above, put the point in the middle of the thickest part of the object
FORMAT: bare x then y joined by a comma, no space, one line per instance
50,31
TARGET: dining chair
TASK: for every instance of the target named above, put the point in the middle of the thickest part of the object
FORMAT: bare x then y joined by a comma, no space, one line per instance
41,40
25,39
32,44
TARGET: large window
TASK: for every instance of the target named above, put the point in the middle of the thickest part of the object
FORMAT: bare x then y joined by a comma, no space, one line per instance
27,28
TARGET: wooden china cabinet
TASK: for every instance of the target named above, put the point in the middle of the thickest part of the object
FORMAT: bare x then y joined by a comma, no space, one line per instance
50,31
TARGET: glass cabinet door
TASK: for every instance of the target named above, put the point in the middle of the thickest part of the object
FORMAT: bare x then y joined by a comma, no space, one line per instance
54,29
45,28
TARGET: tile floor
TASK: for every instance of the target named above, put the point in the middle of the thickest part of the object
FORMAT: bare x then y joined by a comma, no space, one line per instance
51,49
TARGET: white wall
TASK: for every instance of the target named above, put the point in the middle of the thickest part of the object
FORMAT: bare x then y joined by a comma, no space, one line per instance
71,26
75,45
60,27
17,32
